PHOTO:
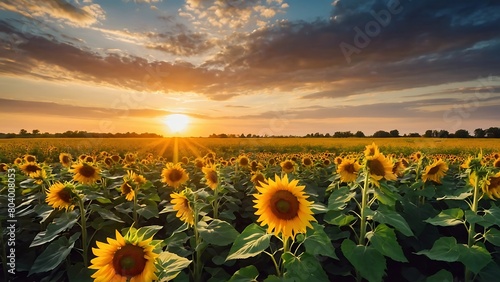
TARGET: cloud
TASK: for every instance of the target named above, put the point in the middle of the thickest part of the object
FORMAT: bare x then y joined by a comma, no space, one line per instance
81,15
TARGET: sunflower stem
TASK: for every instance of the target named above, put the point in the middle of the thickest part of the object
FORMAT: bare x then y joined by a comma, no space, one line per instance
364,200
286,249
216,202
471,229
136,220
83,223
278,271
198,267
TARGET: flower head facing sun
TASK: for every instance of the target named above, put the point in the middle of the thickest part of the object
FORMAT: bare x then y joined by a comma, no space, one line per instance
85,173
30,168
348,170
435,171
287,166
65,159
491,186
174,175
282,205
211,177
371,151
380,168
60,196
124,259
183,207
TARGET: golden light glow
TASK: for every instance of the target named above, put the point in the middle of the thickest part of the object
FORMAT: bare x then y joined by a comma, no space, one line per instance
176,122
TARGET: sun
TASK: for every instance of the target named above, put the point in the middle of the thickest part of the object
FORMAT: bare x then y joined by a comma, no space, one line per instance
176,122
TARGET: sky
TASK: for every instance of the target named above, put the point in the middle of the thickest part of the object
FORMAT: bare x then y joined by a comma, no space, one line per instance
265,67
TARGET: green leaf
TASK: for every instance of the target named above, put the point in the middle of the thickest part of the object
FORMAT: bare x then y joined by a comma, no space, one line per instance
475,258
65,221
386,195
339,198
390,217
79,273
492,215
149,210
444,249
251,242
339,218
218,232
365,259
383,239
440,276
490,273
447,217
54,254
461,196
103,200
105,214
493,236
170,265
317,242
303,268
147,232
472,218
245,274
318,208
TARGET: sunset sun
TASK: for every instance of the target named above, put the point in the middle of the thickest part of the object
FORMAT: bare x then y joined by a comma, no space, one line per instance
176,122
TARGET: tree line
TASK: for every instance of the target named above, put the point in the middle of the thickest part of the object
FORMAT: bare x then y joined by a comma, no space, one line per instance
35,133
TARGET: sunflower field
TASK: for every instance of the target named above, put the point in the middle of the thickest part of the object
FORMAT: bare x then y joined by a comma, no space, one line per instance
249,214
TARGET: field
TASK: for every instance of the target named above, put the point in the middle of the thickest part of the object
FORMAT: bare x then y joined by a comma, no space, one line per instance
250,209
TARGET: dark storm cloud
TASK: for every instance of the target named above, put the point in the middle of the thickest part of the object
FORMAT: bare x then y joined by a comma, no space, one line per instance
416,44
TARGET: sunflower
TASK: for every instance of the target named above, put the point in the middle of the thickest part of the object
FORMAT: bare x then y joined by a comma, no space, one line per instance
29,168
496,163
185,160
306,161
199,162
282,206
348,170
30,158
183,207
39,176
435,171
124,260
491,186
258,178
416,156
380,167
371,151
134,177
287,166
174,175
65,159
3,167
60,196
211,177
243,161
85,173
18,161
128,191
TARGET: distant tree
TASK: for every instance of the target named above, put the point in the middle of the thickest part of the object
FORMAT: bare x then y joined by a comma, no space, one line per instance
428,133
479,133
342,134
35,131
327,135
414,134
462,133
394,133
23,132
493,132
443,133
381,133
359,134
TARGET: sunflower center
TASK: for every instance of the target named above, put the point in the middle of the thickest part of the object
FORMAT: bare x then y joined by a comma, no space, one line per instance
288,165
175,175
212,176
434,170
65,195
284,205
126,188
65,159
243,162
129,261
376,167
87,171
350,168
494,183
32,168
